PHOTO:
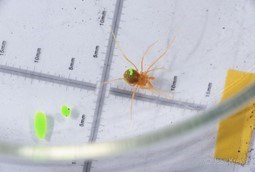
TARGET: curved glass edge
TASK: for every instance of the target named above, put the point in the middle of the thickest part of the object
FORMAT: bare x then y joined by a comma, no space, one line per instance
90,151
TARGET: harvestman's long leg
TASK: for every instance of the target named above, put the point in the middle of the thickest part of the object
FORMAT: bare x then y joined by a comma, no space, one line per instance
162,55
109,81
157,68
145,53
122,52
132,101
158,92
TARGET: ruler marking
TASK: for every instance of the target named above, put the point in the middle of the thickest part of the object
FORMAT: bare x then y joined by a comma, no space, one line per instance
105,75
47,77
158,100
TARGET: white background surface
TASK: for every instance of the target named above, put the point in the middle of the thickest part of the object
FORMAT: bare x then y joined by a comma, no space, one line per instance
211,37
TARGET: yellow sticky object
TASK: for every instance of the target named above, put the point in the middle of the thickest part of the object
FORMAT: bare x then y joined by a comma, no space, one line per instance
235,132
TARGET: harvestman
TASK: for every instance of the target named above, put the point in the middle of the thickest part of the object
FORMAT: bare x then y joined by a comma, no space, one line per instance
139,78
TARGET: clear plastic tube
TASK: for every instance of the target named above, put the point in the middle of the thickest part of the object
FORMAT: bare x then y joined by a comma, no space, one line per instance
90,151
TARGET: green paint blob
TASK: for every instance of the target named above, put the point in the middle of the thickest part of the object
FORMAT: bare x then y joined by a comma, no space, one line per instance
40,125
131,72
66,111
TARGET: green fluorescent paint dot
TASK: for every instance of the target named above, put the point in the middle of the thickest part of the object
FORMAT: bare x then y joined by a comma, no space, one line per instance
131,72
66,111
40,125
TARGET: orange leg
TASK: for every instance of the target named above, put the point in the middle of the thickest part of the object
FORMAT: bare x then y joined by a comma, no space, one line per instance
158,92
132,101
122,52
151,77
162,55
158,68
151,88
109,81
145,53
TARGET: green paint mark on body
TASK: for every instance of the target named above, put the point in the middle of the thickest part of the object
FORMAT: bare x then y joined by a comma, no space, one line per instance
66,111
40,125
131,72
